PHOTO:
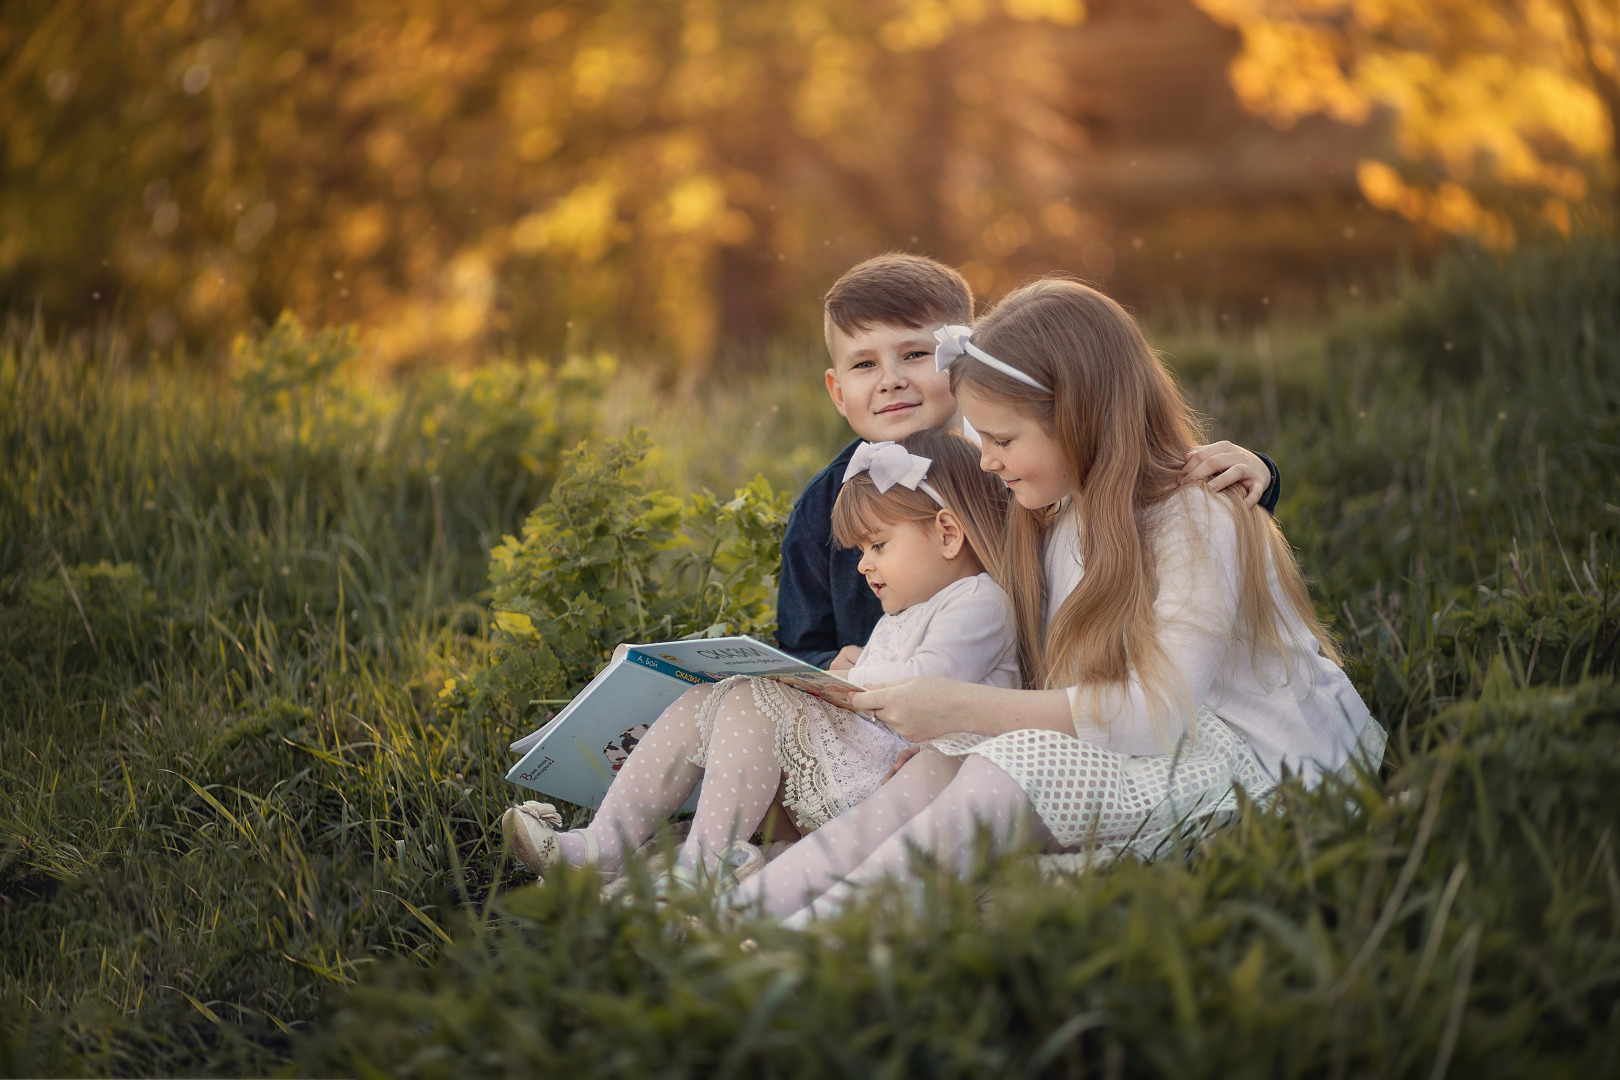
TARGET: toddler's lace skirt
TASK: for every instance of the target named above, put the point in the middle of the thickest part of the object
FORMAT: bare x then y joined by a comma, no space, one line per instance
1090,797
830,758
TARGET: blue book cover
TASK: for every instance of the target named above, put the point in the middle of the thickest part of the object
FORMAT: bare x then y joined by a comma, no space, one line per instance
576,754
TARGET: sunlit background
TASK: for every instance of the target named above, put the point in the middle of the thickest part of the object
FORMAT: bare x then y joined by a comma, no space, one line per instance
275,597
680,181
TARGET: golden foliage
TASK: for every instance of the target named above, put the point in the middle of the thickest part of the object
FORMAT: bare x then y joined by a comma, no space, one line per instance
1496,104
454,174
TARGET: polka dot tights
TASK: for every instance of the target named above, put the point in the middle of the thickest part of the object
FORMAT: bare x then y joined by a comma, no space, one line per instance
936,803
740,781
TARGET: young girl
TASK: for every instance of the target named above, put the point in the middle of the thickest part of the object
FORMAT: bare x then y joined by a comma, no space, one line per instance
926,520
1168,646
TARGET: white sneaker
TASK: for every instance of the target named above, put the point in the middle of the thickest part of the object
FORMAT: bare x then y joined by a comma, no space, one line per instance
531,832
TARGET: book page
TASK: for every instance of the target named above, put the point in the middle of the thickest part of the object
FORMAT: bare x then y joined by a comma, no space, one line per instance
823,684
720,658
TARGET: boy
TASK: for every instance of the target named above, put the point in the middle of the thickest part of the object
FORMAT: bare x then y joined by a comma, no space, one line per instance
879,322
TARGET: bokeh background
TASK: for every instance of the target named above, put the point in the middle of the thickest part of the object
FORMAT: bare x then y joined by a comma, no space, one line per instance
321,329
682,180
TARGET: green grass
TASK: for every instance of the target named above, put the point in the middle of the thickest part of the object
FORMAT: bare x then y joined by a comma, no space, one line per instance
237,835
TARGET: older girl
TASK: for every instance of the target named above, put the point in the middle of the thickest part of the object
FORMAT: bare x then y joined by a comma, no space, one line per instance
1168,647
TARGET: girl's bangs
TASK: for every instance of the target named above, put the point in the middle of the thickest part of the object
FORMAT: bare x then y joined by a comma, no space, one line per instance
862,511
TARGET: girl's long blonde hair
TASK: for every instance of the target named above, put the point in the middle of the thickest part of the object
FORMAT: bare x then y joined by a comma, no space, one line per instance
1125,430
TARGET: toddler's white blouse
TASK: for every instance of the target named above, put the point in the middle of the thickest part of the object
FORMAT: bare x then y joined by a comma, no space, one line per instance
963,632
831,758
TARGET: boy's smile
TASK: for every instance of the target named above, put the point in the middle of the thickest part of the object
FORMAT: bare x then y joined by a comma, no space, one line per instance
884,383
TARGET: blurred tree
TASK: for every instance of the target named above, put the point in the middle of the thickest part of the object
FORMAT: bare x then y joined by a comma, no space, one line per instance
453,174
1498,105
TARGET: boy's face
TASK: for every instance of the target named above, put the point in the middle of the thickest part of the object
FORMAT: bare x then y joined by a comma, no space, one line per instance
884,383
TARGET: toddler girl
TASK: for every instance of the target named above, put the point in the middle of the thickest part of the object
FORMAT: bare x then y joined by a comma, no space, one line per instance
1168,647
927,521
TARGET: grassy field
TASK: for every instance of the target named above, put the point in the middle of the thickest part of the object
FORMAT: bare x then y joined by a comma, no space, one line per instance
240,832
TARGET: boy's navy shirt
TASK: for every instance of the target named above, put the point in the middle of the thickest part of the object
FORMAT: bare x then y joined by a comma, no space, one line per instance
823,602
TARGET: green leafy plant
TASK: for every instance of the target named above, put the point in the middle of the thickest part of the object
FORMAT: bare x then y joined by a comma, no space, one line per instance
608,559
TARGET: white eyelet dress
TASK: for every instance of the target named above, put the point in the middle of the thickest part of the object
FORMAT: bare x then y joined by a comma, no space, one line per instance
1113,785
832,758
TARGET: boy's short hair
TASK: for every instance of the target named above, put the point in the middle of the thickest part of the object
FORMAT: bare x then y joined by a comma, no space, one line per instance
898,290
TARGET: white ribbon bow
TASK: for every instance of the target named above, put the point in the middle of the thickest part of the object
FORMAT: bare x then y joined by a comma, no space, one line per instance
953,342
889,464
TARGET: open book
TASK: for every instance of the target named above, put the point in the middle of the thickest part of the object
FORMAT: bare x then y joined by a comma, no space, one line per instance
574,756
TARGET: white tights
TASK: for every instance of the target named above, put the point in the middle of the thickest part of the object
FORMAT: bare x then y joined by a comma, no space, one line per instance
739,784
935,803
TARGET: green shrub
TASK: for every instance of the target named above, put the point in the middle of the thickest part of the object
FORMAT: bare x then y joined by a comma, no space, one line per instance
607,560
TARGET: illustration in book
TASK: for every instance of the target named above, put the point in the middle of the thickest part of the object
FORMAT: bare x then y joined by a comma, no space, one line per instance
574,756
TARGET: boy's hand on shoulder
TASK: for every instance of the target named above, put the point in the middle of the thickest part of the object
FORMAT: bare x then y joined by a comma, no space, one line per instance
847,658
1222,464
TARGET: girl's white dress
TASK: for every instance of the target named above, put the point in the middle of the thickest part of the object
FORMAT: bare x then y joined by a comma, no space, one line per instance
1116,782
832,758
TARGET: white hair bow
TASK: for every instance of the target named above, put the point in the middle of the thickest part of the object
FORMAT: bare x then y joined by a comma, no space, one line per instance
953,342
889,463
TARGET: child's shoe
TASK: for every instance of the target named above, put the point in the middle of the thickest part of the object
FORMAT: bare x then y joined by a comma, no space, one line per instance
739,862
531,832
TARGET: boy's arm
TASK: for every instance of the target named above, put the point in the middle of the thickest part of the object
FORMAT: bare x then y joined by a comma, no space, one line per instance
805,626
1268,501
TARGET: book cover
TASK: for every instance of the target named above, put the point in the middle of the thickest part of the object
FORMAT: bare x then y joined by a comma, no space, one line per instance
575,755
